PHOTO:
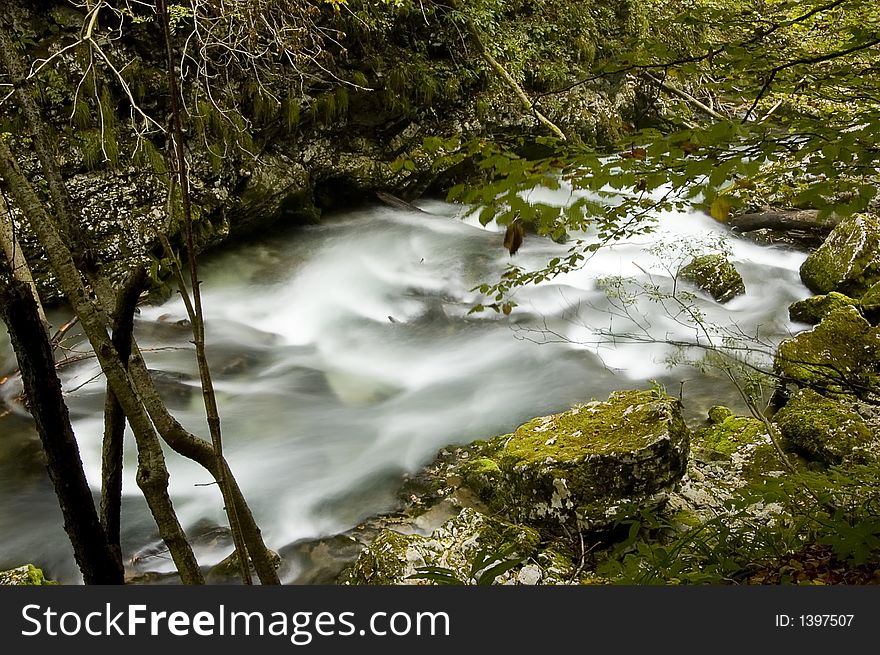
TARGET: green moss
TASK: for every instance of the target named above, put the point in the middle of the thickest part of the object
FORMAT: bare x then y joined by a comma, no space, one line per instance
870,302
823,429
384,562
725,438
627,421
715,275
580,464
849,259
812,310
718,413
27,575
841,355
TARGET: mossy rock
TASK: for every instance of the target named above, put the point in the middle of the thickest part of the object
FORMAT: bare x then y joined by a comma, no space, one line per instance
812,310
848,261
841,355
578,468
825,430
715,275
722,439
27,575
393,557
870,303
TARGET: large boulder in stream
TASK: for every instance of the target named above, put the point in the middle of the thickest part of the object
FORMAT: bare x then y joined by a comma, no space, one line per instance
813,309
581,469
715,275
840,356
848,261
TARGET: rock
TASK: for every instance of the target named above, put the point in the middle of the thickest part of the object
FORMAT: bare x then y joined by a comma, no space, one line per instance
825,430
228,570
26,575
715,275
870,303
581,467
394,557
718,413
812,310
841,355
723,438
849,259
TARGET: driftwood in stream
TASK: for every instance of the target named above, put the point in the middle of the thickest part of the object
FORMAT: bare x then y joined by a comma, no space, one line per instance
793,226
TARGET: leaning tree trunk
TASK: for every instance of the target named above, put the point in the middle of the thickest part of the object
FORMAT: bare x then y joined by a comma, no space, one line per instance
137,394
98,561
114,417
152,476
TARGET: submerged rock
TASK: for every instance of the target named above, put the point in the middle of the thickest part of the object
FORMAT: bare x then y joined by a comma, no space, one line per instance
26,575
848,261
578,468
715,275
825,430
812,310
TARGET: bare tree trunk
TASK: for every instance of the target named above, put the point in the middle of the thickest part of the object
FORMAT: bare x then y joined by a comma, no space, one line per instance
137,395
98,561
114,417
152,473
10,247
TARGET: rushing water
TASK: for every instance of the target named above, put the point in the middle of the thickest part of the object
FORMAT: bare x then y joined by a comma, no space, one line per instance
344,355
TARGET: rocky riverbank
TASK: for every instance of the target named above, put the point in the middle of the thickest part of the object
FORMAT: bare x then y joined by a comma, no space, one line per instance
314,138
551,503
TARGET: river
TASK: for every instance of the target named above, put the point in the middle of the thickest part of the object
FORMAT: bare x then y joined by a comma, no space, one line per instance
344,355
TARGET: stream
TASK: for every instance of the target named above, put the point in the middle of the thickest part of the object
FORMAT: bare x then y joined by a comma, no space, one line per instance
344,356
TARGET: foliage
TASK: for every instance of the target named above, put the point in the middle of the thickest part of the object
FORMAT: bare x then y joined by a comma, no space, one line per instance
485,566
837,509
773,102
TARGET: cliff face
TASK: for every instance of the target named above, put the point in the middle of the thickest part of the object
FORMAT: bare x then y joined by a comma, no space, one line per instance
281,139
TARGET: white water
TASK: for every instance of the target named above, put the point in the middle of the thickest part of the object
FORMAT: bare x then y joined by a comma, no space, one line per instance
344,356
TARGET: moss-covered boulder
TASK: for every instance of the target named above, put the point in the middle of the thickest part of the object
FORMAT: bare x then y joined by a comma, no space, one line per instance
26,575
577,469
715,275
813,309
841,355
455,546
848,260
825,430
869,303
723,438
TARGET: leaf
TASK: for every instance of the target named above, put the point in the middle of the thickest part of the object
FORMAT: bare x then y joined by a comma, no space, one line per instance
513,236
720,209
437,574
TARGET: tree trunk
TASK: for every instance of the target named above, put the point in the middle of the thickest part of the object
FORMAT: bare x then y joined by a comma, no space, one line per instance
20,270
99,563
152,474
114,417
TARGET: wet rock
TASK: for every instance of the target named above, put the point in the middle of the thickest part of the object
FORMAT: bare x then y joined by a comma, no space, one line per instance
394,557
715,275
795,227
825,430
580,467
849,259
812,310
228,571
840,355
26,575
